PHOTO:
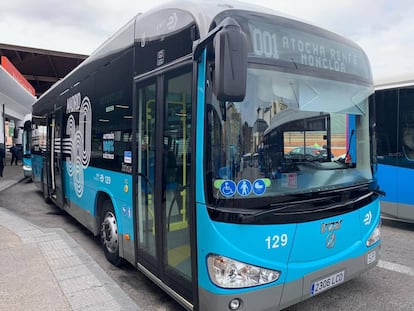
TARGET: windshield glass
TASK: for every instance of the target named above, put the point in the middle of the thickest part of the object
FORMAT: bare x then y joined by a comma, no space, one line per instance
291,134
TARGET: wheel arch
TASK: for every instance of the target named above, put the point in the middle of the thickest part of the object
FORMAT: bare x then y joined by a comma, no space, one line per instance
101,197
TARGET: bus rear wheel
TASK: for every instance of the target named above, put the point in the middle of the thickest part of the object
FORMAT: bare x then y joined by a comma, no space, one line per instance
109,234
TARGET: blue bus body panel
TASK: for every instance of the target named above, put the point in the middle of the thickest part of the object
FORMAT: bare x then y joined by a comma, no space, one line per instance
27,161
37,167
311,251
305,252
117,185
396,182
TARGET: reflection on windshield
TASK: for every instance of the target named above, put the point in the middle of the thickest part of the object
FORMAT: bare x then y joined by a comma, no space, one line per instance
282,139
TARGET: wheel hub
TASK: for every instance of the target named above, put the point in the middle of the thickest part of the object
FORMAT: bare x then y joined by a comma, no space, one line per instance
109,232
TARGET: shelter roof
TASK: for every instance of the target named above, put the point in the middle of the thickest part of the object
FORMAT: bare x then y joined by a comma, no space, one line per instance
42,68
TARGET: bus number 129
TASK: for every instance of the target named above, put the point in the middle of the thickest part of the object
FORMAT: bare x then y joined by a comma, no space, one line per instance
276,241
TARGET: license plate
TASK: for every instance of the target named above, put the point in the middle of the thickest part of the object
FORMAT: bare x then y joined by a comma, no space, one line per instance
371,257
328,282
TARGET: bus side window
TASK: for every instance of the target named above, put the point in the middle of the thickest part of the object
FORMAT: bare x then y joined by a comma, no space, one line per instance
383,145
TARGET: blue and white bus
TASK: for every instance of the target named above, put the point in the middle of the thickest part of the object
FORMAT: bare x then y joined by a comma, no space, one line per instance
27,146
143,144
394,115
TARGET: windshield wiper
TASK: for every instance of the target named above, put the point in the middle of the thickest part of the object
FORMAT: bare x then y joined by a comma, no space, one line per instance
348,188
250,218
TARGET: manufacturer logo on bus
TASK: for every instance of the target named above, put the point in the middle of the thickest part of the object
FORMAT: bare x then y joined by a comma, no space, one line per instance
330,240
331,226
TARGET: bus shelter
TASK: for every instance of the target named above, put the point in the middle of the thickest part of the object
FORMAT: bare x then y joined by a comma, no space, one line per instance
16,100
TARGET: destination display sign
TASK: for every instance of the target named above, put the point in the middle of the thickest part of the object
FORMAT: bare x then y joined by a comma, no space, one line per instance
280,42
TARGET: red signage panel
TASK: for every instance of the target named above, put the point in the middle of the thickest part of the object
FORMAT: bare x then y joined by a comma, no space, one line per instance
9,67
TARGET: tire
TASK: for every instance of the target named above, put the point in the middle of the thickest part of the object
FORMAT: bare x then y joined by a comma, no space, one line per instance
109,234
309,157
45,193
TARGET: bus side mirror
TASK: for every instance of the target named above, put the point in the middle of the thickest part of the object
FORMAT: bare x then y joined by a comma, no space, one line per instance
230,47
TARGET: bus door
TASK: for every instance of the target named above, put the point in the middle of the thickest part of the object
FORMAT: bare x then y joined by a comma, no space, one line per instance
55,163
389,153
405,140
163,114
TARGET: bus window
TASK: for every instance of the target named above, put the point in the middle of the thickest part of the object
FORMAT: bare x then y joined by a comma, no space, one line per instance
386,110
177,163
406,111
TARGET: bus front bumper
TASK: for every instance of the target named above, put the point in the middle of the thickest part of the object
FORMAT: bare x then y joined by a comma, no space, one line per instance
284,295
27,171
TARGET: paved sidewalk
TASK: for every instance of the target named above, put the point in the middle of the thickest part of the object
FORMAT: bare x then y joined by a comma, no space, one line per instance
45,269
12,174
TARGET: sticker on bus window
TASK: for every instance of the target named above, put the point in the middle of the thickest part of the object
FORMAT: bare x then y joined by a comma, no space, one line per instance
228,188
128,157
108,143
244,187
290,180
259,186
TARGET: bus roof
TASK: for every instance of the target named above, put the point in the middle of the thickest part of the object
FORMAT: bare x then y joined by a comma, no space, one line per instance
202,12
205,11
394,82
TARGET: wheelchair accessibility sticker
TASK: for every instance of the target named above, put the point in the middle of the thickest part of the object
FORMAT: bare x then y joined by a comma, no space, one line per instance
228,188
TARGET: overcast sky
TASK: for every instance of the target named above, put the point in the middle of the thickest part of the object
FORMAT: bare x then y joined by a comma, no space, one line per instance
383,28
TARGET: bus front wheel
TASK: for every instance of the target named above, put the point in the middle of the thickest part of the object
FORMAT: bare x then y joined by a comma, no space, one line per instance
109,233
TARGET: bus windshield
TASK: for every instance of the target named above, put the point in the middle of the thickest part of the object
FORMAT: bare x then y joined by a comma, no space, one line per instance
292,134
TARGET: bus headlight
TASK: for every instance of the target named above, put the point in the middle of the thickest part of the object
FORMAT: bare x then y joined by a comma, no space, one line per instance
375,235
229,273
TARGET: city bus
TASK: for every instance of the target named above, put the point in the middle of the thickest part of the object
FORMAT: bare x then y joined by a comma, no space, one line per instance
144,144
26,144
394,115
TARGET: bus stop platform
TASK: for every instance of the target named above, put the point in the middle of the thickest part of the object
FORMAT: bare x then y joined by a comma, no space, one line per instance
45,269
